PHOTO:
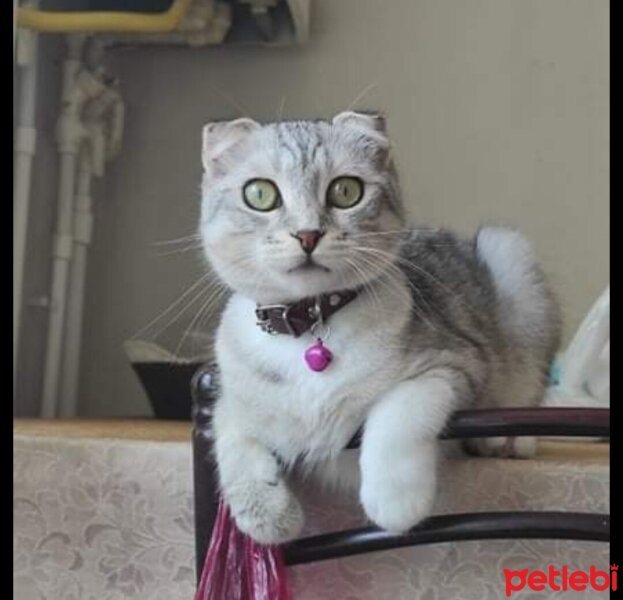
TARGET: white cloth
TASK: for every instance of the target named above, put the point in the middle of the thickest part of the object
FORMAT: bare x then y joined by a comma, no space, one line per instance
110,518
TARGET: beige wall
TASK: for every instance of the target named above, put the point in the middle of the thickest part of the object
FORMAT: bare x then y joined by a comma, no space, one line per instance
498,110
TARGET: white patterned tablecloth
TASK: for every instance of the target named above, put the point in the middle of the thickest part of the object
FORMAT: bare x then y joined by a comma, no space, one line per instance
104,511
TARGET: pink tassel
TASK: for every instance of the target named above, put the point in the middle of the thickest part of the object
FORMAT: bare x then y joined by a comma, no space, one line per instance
237,568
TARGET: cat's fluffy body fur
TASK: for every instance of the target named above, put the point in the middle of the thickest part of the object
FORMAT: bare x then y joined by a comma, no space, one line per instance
441,323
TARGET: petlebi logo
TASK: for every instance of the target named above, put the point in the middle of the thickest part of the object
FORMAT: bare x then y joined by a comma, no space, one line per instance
561,580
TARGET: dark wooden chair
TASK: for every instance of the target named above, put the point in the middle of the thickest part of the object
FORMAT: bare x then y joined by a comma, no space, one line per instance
574,422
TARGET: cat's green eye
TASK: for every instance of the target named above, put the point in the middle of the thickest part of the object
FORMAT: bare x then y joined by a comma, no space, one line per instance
345,192
261,194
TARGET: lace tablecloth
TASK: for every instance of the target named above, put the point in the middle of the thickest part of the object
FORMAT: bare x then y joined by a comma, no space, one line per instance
103,511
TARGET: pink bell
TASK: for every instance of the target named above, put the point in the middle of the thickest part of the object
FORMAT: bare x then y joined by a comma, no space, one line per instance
318,357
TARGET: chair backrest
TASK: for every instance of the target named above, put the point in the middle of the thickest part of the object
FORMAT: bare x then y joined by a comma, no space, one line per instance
567,422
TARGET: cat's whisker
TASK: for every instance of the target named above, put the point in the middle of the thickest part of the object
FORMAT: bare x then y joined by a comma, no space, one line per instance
399,279
205,311
173,306
410,264
374,281
369,281
373,235
186,243
213,285
361,277
379,233
218,297
186,238
243,112
361,95
397,271
195,318
396,285
282,104
192,248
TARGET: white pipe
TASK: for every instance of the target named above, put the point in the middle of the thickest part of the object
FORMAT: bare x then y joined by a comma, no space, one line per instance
25,143
102,143
14,26
78,87
83,226
60,270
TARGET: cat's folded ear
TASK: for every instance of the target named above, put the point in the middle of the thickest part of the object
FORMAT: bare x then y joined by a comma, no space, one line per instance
368,127
371,123
221,136
369,120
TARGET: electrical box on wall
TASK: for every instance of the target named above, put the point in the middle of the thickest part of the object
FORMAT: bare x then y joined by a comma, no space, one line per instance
270,21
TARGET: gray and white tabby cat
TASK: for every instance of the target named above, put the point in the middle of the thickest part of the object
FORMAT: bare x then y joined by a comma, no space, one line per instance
440,323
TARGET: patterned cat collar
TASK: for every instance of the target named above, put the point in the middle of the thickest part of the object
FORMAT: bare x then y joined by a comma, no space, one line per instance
297,318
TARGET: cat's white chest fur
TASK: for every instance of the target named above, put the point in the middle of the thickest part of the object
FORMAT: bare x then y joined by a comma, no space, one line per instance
293,410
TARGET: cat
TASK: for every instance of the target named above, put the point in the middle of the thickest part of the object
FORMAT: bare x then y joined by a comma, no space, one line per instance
304,209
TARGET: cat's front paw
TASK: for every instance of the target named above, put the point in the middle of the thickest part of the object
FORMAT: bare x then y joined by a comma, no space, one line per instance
398,499
502,447
267,511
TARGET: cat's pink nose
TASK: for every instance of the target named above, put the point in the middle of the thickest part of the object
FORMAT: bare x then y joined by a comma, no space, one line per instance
308,239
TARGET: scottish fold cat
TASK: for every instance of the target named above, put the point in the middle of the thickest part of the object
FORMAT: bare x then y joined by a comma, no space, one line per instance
303,220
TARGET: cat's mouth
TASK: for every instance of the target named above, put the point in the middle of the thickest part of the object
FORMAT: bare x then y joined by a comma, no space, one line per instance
308,265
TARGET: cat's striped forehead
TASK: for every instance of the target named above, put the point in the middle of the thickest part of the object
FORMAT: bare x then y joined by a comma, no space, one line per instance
303,144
